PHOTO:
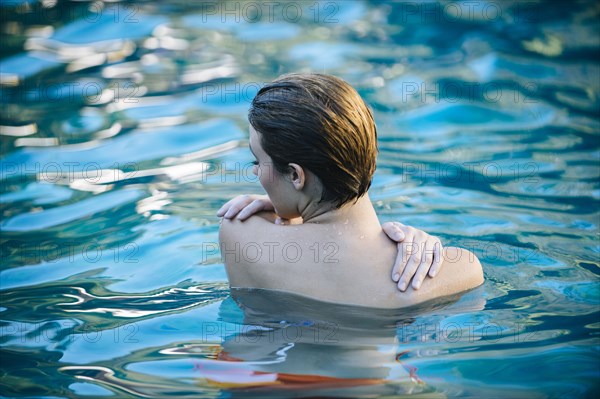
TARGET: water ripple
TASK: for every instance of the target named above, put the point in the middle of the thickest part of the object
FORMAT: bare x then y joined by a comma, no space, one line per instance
123,131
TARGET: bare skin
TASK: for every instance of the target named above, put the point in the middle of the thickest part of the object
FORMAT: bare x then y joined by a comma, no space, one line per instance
409,267
334,255
354,249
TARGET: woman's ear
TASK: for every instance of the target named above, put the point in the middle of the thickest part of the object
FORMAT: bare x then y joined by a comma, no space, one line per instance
297,176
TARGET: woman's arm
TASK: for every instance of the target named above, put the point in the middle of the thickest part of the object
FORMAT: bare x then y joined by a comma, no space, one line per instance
419,254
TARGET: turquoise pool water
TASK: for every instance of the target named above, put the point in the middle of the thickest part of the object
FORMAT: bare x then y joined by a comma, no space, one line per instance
123,130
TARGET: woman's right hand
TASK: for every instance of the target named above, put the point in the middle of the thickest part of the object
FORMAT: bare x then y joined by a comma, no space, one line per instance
244,206
419,255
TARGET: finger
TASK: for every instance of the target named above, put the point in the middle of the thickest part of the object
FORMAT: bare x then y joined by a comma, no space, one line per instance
222,210
234,209
236,205
411,267
231,212
254,207
438,259
394,231
400,262
424,266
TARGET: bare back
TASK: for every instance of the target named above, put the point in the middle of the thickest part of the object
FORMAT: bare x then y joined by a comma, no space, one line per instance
343,263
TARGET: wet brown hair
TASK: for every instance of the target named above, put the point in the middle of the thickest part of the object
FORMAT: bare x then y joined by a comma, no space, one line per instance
321,123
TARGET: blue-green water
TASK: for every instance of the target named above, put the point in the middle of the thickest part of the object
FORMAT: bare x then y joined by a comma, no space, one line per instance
123,130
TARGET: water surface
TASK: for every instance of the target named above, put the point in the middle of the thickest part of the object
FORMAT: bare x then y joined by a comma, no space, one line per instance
123,131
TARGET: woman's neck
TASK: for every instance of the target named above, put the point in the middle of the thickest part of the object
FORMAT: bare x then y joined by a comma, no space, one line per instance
362,211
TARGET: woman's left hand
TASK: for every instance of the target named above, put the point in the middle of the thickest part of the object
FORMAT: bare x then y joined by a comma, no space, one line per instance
419,255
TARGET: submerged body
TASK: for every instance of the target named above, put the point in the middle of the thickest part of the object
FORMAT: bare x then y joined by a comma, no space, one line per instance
346,260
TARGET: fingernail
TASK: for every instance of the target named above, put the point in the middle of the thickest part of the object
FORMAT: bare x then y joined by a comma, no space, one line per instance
396,277
402,286
227,215
417,285
433,273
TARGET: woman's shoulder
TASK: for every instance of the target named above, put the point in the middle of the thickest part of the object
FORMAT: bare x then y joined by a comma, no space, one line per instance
460,271
262,240
266,225
261,225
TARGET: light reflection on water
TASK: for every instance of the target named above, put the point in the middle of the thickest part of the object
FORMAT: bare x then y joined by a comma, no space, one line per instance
123,131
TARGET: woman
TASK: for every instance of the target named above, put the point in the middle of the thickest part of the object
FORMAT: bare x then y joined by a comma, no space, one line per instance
316,232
